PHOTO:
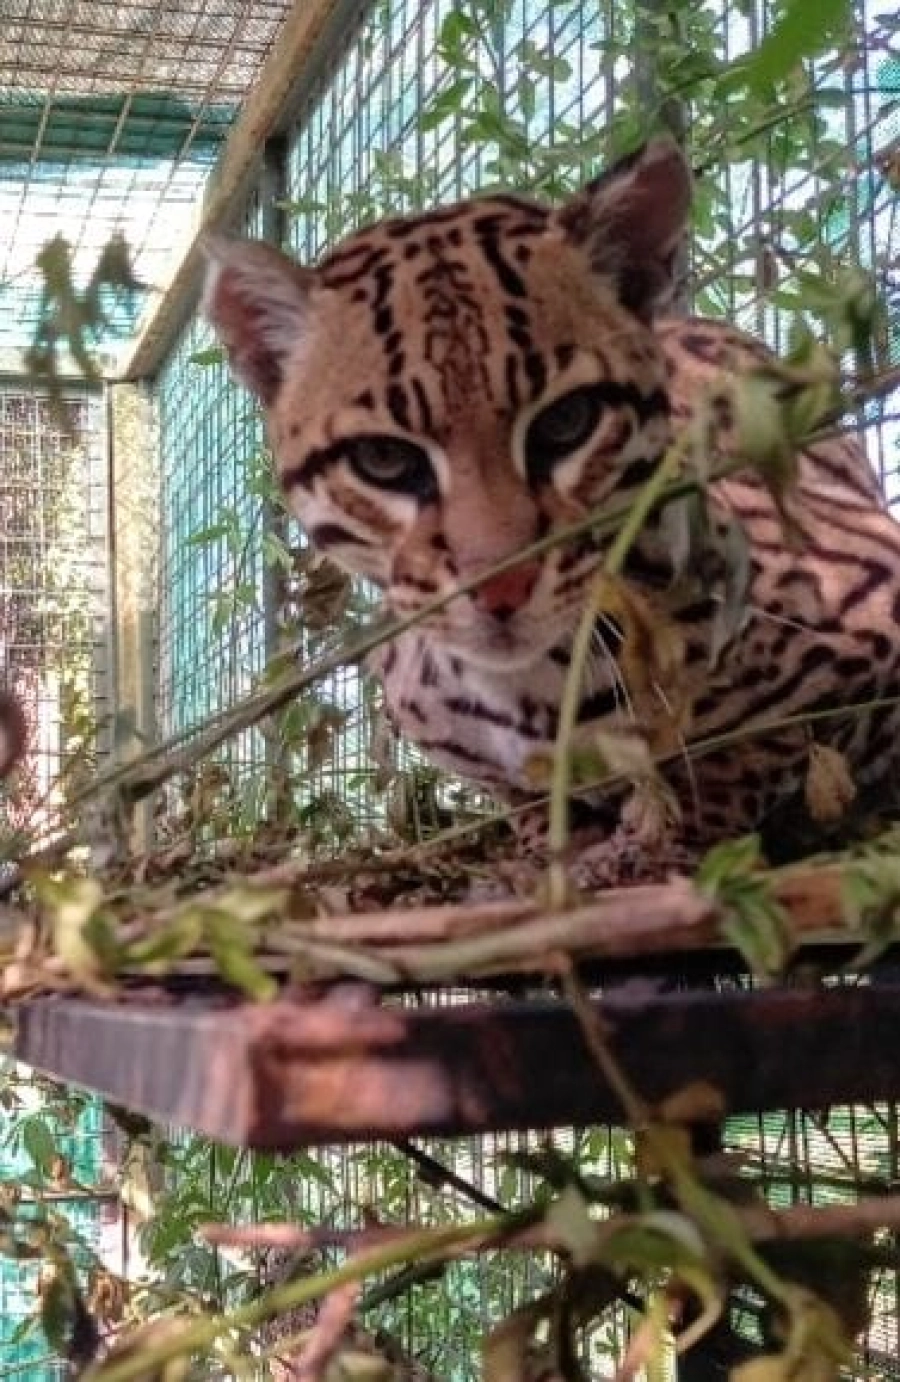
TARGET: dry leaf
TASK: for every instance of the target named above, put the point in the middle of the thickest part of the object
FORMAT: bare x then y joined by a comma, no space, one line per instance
670,1138
697,1102
650,812
651,655
829,787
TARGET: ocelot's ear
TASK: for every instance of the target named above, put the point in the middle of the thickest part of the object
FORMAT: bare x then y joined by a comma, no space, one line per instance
257,299
631,220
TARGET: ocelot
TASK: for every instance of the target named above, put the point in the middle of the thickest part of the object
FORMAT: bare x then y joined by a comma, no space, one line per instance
444,389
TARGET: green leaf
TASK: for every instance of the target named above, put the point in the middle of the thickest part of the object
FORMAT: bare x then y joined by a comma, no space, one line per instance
83,935
761,434
804,29
727,860
568,1218
211,533
235,962
251,904
870,894
212,355
157,952
753,920
39,1142
526,90
456,29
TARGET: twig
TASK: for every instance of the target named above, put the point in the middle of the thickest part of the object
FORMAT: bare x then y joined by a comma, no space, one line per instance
591,1024
437,1174
716,1217
328,1333
419,1244
763,1223
693,749
143,775
652,494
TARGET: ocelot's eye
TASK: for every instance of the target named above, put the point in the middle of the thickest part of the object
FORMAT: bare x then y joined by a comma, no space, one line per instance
564,425
567,423
392,463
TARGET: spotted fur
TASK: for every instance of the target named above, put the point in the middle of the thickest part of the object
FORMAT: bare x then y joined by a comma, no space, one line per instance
444,389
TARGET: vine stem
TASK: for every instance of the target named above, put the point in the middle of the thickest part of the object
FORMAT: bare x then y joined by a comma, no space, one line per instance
421,1245
654,491
717,1218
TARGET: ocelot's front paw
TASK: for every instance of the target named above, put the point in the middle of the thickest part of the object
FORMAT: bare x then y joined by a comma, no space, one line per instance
623,858
637,840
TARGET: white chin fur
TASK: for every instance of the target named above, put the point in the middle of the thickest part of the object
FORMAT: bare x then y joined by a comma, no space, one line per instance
504,652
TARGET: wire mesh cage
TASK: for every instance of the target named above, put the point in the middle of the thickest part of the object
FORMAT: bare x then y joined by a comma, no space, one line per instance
381,129
54,577
111,118
408,104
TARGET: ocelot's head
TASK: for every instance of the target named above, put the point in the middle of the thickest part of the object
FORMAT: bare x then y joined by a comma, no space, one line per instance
444,389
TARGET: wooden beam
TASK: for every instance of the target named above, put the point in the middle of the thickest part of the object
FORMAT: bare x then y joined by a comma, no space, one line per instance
343,1068
267,111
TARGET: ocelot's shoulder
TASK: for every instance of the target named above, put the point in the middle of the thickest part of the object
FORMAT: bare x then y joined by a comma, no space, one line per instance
707,342
697,349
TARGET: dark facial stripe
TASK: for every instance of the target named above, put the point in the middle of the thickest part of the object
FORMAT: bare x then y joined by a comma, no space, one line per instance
486,770
398,405
638,472
333,535
316,462
344,268
426,421
501,719
510,281
599,705
608,393
402,229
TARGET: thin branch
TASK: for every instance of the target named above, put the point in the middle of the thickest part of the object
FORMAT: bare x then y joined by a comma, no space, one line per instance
649,498
437,1174
199,1335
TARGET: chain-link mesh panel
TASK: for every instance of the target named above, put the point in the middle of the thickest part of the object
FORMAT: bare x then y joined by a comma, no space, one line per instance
54,656
36,1121
111,117
212,643
831,1158
54,594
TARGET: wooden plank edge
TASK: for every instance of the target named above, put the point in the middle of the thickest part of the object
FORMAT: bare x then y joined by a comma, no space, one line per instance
291,1074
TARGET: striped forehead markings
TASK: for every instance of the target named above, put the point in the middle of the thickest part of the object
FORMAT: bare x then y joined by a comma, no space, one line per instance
457,340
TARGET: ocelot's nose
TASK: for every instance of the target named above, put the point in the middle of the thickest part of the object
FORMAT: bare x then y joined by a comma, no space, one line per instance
502,595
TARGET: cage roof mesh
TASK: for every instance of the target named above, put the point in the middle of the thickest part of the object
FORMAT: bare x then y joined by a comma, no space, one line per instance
112,114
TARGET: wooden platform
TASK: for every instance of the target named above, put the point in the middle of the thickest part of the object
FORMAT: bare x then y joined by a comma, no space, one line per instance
347,1067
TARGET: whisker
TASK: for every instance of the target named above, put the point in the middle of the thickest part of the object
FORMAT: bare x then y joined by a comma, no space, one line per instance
759,613
619,685
683,749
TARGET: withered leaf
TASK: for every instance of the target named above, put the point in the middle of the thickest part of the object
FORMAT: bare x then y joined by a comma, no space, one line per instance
829,788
